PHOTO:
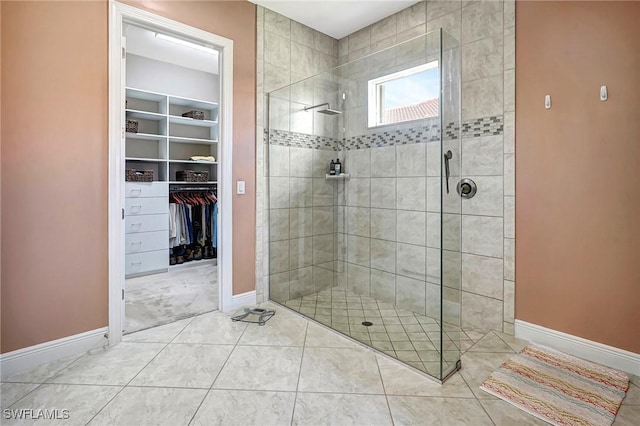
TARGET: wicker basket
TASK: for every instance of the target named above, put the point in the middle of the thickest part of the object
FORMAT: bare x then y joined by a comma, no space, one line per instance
196,115
133,175
192,176
132,126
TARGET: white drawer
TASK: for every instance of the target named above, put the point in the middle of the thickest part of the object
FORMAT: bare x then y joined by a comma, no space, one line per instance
145,262
137,206
146,223
146,189
146,241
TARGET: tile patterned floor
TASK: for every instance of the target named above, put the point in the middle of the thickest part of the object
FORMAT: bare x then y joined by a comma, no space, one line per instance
208,370
404,335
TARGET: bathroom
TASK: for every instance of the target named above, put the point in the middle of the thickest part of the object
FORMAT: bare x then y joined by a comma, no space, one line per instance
380,233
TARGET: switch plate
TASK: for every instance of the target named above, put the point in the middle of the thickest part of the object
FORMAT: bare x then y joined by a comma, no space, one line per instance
603,93
240,185
547,101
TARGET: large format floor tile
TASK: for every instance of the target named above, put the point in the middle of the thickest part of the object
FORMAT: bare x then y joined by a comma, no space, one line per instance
261,368
320,337
82,402
112,366
278,331
414,410
341,409
242,408
476,367
629,415
341,370
162,334
43,372
400,380
504,414
151,406
184,365
12,392
214,328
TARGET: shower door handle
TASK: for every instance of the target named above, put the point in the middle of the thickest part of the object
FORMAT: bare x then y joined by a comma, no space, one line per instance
447,156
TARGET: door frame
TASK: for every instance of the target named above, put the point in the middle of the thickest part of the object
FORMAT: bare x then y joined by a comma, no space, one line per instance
118,13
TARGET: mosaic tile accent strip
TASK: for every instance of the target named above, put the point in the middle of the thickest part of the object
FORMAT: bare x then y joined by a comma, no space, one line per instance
301,140
394,136
430,132
486,126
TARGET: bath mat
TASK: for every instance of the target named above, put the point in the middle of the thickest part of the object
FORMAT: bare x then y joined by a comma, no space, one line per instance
559,388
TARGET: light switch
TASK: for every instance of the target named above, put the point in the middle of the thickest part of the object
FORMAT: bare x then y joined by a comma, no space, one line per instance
603,93
547,101
240,187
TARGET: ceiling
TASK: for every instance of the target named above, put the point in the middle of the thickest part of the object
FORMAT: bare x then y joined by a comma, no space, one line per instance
143,42
337,18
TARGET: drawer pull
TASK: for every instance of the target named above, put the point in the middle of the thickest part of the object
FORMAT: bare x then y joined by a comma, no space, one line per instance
136,243
136,263
136,225
136,191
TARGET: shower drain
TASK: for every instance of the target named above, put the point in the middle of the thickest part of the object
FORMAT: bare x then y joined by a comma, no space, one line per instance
367,323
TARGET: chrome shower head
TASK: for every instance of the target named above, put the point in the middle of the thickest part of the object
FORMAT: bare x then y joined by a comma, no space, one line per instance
327,110
330,111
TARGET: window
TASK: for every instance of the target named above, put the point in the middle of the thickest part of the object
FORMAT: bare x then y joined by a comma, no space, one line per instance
411,94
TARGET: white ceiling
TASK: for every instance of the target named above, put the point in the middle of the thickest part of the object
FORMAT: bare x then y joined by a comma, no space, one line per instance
337,18
143,42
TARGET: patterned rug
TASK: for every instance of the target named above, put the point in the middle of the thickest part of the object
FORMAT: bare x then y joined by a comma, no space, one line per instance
559,388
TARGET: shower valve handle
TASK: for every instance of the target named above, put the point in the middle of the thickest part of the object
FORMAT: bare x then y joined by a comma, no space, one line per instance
447,156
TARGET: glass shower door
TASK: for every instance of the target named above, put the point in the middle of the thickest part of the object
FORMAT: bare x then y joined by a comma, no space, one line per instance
451,212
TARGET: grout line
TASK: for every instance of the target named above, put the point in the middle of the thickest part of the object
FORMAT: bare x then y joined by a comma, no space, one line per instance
295,400
384,389
140,371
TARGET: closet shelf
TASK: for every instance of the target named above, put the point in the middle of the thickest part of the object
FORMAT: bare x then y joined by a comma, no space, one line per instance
145,115
192,162
181,182
179,139
144,95
174,119
145,136
148,160
192,103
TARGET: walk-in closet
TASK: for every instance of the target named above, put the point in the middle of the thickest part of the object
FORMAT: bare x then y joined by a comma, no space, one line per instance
171,156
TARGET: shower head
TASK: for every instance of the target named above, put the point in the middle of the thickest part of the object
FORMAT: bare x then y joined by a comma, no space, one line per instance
327,110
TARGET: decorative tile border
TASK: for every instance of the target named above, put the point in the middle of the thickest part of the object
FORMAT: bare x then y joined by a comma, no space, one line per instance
486,126
301,140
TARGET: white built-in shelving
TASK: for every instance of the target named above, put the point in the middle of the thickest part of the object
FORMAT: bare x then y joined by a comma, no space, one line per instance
165,139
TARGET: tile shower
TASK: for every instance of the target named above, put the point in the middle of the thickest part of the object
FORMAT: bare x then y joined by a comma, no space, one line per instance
381,247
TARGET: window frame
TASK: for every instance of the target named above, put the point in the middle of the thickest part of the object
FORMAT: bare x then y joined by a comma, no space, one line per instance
375,90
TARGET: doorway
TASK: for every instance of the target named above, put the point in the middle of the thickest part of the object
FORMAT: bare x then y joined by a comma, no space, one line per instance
170,206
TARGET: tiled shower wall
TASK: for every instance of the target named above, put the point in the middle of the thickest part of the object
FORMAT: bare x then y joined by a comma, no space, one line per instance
287,52
486,31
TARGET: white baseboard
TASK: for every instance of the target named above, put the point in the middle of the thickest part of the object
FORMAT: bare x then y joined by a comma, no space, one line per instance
244,299
33,356
577,346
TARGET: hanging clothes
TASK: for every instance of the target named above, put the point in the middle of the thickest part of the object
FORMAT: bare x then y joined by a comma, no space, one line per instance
192,225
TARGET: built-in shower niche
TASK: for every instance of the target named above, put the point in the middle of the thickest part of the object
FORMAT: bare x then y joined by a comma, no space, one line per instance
376,256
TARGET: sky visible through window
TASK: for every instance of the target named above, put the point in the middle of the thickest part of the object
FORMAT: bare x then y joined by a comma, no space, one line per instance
412,89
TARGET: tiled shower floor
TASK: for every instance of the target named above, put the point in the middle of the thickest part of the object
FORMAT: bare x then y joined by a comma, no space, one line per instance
404,335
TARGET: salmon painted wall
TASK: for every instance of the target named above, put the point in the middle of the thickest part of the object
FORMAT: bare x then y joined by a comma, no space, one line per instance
54,170
55,156
578,169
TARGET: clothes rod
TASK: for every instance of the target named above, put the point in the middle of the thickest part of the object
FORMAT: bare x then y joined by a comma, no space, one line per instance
200,189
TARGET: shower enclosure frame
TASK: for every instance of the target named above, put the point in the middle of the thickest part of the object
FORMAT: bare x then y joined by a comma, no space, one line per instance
448,132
